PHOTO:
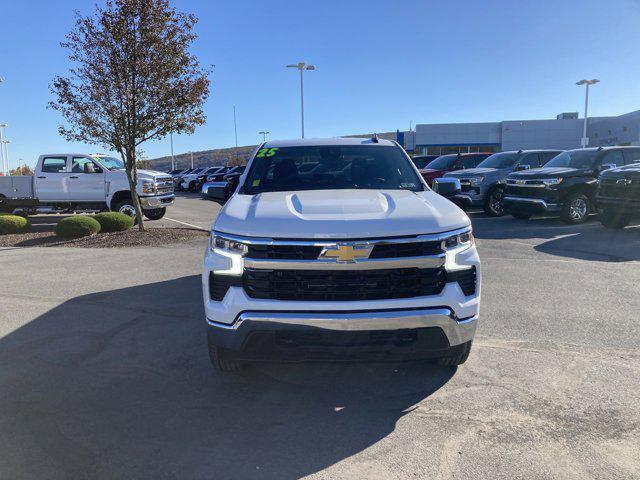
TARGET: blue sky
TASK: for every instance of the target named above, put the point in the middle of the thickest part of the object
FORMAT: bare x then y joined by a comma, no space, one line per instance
381,64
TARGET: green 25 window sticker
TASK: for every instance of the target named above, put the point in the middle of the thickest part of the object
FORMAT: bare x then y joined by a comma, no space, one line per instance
266,152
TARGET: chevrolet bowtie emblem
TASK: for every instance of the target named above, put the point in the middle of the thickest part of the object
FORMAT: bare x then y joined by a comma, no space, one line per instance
342,253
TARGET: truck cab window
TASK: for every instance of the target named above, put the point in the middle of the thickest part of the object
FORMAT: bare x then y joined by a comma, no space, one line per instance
78,165
54,165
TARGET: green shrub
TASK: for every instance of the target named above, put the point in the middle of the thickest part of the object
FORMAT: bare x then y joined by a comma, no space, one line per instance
76,227
13,224
114,221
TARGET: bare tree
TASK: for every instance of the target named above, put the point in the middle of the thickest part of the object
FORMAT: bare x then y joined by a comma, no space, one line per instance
132,79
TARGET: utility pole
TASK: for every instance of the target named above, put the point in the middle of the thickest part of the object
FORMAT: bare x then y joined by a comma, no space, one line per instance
302,67
585,140
191,159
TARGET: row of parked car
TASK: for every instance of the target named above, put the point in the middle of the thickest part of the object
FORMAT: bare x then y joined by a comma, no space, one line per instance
192,179
571,184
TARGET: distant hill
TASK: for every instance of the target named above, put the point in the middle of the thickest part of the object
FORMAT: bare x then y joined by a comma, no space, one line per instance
224,156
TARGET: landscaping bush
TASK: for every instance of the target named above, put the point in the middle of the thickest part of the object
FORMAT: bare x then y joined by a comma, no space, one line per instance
13,224
114,221
76,227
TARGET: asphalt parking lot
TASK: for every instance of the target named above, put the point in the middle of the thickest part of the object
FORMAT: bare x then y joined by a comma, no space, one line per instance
104,372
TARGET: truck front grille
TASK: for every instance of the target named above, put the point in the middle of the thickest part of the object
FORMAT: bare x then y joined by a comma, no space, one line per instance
328,285
312,252
611,188
527,192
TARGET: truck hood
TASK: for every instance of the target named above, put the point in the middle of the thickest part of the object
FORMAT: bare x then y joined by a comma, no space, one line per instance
340,214
145,174
472,172
631,172
549,172
431,172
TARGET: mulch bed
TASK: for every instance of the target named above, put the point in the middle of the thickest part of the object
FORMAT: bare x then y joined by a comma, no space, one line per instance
152,237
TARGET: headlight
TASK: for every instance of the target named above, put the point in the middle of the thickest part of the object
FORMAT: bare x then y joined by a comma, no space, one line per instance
226,245
551,181
148,186
476,180
458,241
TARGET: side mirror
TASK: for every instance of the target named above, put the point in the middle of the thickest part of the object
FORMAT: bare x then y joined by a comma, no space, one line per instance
520,168
607,166
89,167
219,192
447,187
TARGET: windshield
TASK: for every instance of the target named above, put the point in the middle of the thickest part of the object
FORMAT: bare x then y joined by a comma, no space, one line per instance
421,162
111,163
574,159
443,162
499,160
331,167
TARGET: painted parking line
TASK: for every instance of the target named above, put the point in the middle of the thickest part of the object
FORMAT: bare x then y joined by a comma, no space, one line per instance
187,224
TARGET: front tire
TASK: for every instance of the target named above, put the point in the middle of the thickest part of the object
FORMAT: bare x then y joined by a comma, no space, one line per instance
128,208
575,209
521,215
493,205
192,187
222,364
457,359
155,213
613,219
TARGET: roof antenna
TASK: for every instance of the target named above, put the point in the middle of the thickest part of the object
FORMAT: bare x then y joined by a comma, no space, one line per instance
375,138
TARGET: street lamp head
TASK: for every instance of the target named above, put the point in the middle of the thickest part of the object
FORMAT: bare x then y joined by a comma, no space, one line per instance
588,82
310,67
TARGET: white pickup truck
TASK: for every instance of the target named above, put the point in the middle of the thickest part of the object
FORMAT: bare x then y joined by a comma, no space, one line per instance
69,182
337,249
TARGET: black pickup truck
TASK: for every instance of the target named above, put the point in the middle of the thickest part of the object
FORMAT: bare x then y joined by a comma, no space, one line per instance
566,185
618,196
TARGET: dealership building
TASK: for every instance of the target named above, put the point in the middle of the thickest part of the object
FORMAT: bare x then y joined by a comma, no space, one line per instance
564,132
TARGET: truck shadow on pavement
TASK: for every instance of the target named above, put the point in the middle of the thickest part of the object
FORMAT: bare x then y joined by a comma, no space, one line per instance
588,241
118,384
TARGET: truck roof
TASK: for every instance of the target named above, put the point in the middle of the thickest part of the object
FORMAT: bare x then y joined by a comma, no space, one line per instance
315,142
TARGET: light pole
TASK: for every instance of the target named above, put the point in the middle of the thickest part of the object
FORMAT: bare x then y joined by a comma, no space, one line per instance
302,67
6,154
173,163
585,140
5,166
264,135
191,153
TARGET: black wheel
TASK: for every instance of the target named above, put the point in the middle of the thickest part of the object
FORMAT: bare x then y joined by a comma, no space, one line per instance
457,359
218,360
155,213
612,218
521,215
127,207
192,186
493,205
4,208
576,209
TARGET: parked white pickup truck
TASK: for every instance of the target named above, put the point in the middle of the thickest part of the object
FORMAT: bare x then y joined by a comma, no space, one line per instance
337,249
70,182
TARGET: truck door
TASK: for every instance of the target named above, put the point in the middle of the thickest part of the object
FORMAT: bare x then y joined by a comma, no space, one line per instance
86,183
52,181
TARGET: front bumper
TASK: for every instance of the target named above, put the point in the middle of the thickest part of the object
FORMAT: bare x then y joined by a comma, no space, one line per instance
436,323
622,205
529,205
158,201
423,333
